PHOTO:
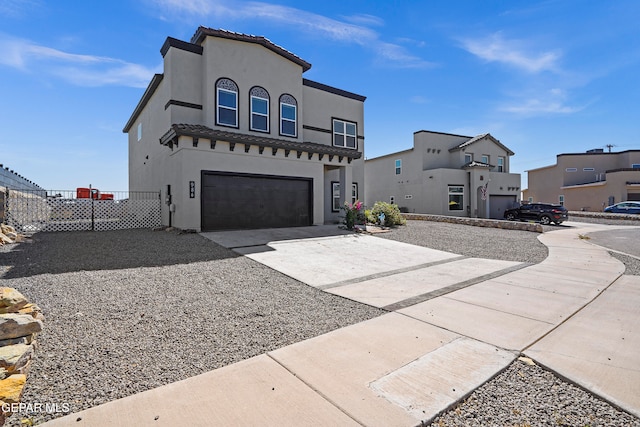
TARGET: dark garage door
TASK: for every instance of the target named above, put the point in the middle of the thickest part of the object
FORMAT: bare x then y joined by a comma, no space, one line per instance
240,201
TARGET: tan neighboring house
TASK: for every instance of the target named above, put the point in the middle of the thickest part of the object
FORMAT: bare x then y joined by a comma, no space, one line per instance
234,137
446,174
587,181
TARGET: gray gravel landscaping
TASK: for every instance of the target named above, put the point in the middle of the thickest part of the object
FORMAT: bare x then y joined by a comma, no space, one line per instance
127,311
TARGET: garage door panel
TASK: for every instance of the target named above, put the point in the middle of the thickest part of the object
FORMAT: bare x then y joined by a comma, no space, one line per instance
254,201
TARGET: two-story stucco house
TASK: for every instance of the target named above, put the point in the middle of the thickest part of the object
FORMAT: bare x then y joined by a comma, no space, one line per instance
587,181
446,174
234,137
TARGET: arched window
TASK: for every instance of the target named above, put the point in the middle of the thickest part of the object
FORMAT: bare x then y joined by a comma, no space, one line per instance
259,101
226,103
288,115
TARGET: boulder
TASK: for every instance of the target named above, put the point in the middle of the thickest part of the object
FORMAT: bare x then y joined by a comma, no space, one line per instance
32,310
7,229
15,358
11,388
18,325
11,301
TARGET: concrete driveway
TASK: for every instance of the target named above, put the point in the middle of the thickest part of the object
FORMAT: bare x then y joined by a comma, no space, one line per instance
454,323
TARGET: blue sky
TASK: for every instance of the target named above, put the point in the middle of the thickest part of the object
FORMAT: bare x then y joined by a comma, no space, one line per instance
543,77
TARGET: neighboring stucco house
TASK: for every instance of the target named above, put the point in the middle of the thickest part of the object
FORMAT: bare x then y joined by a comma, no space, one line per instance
445,174
587,181
234,137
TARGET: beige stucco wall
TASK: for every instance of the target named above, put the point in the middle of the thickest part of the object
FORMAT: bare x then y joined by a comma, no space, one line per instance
589,190
429,168
249,65
203,158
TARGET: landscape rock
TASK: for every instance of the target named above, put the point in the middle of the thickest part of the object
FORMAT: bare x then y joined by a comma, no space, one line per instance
16,358
14,325
11,388
11,301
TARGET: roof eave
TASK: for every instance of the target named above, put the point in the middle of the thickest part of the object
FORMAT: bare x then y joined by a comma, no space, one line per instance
148,93
202,33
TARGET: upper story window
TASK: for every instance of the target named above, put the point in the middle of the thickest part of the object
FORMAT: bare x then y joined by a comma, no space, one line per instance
259,100
288,115
571,170
139,131
588,169
484,159
344,134
468,158
500,164
398,167
226,103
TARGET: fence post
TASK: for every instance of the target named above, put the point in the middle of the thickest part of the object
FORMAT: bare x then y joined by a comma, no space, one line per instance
93,224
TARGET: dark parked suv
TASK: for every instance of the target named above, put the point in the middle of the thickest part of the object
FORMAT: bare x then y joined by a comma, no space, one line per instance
545,213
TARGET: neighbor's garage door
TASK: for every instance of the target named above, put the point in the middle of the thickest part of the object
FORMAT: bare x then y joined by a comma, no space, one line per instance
240,201
499,204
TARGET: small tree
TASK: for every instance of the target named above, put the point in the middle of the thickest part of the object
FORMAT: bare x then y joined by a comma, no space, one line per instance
390,214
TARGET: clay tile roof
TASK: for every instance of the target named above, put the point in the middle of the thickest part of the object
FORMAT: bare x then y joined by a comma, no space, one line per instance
202,32
478,138
201,131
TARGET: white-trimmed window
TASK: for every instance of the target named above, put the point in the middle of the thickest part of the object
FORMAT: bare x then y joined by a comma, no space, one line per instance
344,134
530,199
571,170
398,166
468,158
500,164
635,166
335,196
259,100
561,200
139,131
288,116
456,197
588,169
484,159
227,103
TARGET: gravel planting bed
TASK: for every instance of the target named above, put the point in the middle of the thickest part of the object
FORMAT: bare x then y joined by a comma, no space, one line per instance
479,242
126,311
526,395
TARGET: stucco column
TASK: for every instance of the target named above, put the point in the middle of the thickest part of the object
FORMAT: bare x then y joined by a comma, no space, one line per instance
473,202
346,179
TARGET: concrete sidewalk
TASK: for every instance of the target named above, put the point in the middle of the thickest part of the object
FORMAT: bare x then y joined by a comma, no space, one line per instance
454,323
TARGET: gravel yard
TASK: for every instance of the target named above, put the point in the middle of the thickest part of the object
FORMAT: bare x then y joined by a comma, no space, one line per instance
128,311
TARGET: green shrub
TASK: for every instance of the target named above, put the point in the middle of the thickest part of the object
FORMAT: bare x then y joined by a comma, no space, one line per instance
391,213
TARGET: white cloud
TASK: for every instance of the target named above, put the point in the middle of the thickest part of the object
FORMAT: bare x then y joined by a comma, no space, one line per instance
365,19
419,99
551,102
495,48
82,70
355,31
17,8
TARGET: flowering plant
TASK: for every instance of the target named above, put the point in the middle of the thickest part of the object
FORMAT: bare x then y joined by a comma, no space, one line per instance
353,213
